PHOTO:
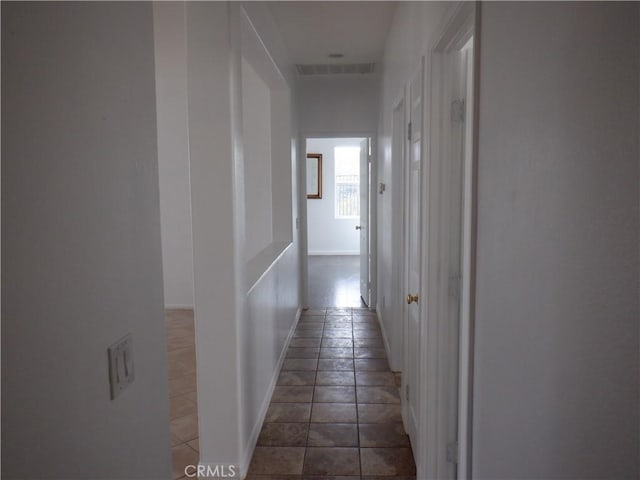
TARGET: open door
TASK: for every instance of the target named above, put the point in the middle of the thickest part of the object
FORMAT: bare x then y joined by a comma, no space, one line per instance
364,222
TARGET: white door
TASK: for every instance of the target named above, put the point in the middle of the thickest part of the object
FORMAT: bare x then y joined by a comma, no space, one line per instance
364,222
411,376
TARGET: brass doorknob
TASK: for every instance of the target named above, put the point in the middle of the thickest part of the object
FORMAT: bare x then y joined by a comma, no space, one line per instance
358,227
412,299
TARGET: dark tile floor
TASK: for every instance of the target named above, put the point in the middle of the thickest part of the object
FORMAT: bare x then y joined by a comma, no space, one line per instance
335,412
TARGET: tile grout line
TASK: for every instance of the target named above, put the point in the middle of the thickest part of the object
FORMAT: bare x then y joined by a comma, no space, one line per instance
355,387
315,377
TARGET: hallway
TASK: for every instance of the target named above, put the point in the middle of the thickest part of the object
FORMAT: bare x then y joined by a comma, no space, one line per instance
156,174
335,412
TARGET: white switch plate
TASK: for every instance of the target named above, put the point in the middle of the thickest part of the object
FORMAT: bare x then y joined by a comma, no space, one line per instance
121,372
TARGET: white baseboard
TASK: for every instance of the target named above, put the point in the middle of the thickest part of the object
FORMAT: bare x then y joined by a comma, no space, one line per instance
255,432
334,252
387,347
385,339
178,306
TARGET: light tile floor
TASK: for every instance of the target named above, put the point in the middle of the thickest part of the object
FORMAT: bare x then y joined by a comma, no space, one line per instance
335,411
334,280
182,389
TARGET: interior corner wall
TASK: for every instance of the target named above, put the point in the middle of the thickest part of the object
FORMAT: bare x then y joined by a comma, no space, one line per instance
557,351
82,255
329,235
173,153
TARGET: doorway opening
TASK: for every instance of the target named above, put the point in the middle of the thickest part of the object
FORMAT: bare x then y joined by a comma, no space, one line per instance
337,221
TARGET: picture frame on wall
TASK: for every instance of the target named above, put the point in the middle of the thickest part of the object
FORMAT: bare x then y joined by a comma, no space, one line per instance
314,175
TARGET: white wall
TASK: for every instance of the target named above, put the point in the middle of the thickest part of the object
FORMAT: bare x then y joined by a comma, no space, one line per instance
329,235
82,257
173,153
557,362
345,104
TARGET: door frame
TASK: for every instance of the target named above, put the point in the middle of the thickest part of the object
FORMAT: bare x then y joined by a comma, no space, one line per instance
459,27
303,218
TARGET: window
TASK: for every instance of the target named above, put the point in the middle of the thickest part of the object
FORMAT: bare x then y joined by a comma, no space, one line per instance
347,180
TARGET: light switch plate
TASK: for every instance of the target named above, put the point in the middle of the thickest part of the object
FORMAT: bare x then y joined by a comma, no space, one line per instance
121,372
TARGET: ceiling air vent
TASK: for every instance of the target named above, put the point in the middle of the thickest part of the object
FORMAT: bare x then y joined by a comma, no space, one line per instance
336,69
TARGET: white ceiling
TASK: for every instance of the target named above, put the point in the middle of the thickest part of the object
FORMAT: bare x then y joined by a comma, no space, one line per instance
312,30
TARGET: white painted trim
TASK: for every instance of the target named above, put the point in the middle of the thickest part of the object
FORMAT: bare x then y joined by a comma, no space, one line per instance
373,221
465,364
257,54
334,252
385,340
435,338
303,256
255,432
270,256
239,25
457,28
178,306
